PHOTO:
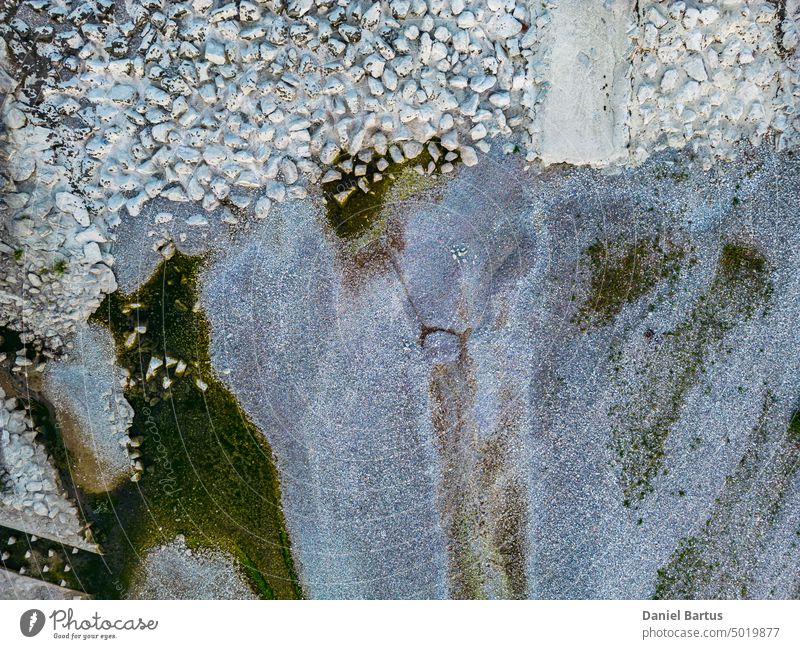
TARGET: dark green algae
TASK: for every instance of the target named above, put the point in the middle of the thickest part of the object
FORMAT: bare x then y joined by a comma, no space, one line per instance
362,212
208,472
33,554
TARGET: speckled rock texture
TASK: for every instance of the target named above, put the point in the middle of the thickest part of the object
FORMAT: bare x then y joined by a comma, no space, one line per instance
448,403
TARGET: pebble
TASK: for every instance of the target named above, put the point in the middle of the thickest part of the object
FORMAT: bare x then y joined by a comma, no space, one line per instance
468,156
504,26
15,118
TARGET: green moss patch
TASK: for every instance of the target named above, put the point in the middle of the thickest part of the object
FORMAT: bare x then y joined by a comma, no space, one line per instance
740,285
206,471
623,273
794,428
686,569
717,562
356,200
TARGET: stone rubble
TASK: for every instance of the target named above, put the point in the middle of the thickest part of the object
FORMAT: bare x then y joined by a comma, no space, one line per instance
216,102
31,498
709,75
54,271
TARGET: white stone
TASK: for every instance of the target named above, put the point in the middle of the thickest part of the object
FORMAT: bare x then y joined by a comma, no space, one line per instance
468,156
669,80
262,208
15,118
197,220
504,26
72,204
695,68
478,132
153,366
655,17
215,52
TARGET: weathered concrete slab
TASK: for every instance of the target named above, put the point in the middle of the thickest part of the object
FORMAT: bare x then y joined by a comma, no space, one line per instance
585,110
14,586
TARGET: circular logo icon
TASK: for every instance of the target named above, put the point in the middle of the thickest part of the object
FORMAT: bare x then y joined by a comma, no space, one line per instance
31,622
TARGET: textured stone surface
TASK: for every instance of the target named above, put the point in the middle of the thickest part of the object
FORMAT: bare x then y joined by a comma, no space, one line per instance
14,586
445,426
86,388
173,571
